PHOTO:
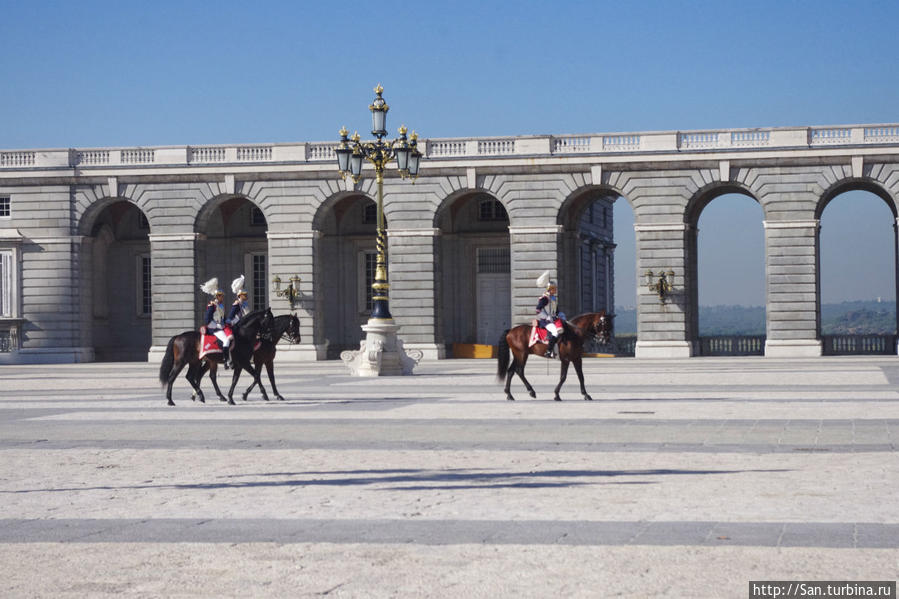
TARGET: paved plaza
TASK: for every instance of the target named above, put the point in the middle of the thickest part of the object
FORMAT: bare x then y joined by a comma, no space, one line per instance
681,478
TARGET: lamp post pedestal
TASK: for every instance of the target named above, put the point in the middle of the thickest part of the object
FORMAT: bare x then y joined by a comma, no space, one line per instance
381,353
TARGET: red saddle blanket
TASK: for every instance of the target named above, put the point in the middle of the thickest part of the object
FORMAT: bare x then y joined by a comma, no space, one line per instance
211,345
539,334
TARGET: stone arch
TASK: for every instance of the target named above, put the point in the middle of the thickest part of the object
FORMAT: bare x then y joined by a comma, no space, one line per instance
473,280
586,250
89,206
856,184
115,288
345,257
232,241
877,245
692,213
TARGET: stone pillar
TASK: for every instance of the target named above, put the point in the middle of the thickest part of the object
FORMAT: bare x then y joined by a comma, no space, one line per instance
293,254
793,289
412,277
534,250
663,329
175,288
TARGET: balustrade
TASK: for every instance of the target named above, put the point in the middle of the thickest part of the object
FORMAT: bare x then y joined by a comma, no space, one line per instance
698,140
321,152
881,134
859,344
254,153
16,159
620,142
570,145
200,155
138,156
829,136
493,147
750,138
732,345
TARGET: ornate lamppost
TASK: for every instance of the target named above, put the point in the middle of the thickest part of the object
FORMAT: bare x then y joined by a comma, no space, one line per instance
381,353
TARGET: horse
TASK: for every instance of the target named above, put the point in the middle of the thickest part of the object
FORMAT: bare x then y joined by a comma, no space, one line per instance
570,349
184,350
284,326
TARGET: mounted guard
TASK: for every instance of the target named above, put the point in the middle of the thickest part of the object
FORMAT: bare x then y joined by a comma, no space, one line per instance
241,305
548,316
214,319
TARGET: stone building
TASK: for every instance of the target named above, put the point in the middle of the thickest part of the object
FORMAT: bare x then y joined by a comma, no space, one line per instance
102,250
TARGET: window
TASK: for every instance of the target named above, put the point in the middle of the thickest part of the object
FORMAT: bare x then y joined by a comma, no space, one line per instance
368,264
370,214
257,219
7,280
5,206
491,210
493,260
144,290
260,288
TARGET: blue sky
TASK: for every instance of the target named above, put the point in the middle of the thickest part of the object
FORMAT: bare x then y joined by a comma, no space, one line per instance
90,74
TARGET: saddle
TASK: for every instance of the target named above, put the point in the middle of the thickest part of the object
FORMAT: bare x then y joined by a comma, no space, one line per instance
210,343
539,334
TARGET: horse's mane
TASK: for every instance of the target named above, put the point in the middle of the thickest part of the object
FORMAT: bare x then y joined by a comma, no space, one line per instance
249,319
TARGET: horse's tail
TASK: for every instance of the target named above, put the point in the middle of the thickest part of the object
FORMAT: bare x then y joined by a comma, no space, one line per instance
165,369
502,356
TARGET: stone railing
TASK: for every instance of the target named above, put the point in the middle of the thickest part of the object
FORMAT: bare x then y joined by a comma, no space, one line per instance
671,142
732,345
859,344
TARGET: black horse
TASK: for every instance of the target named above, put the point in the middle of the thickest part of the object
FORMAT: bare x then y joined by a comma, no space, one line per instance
184,350
571,348
286,326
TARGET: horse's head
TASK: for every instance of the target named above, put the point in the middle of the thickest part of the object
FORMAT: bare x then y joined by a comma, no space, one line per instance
293,329
602,327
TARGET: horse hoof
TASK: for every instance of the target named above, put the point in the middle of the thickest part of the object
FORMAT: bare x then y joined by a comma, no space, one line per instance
587,397
557,398
244,398
171,403
533,394
510,398
231,402
222,398
279,398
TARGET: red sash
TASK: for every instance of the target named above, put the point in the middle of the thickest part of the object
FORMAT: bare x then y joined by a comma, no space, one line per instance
539,334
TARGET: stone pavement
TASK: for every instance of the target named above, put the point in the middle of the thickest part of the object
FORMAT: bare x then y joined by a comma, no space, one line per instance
682,478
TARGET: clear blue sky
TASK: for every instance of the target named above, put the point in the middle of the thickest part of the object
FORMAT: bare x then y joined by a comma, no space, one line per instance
87,74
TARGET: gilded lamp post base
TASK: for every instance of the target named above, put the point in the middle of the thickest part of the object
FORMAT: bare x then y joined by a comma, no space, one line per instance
381,353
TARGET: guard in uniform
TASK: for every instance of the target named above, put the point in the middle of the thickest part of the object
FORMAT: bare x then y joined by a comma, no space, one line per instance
214,319
548,312
241,305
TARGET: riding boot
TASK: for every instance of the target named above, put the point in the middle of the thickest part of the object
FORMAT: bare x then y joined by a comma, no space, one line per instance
551,349
226,357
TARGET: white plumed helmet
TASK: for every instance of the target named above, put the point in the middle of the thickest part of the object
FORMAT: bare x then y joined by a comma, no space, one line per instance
211,287
237,286
544,281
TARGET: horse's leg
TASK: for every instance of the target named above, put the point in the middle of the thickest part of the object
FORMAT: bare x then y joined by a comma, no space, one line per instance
255,372
194,376
270,368
580,376
509,374
527,385
250,388
213,376
562,378
234,377
175,372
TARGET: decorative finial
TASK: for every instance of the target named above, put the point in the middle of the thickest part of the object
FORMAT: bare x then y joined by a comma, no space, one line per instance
414,135
378,89
402,130
355,136
342,131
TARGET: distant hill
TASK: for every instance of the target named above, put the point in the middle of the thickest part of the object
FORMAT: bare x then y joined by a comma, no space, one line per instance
853,318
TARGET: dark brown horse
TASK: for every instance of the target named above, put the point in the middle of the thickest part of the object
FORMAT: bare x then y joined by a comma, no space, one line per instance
570,349
286,326
184,350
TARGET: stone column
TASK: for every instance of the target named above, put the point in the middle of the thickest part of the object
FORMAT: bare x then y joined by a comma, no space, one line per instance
534,250
293,254
413,287
663,329
175,288
793,289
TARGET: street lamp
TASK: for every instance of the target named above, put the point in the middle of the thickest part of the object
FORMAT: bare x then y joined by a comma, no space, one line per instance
351,153
291,293
381,352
